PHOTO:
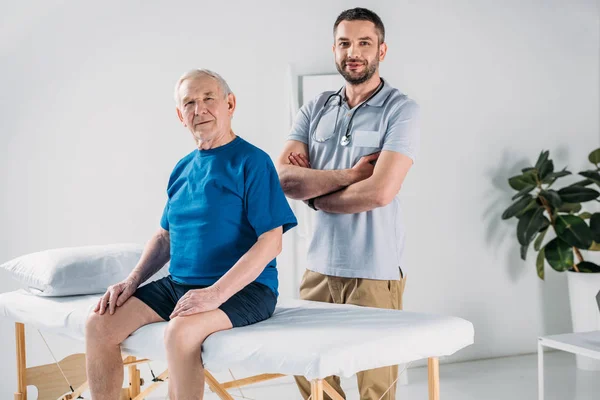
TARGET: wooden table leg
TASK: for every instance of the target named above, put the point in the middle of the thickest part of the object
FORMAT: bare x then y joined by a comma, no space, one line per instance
433,366
316,388
134,378
21,393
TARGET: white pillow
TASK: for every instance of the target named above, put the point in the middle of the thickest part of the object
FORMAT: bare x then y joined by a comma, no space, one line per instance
75,270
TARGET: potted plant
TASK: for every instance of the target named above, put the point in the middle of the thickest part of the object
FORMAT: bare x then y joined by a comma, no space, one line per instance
562,232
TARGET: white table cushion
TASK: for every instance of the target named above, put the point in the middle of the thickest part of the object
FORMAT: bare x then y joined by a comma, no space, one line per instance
302,338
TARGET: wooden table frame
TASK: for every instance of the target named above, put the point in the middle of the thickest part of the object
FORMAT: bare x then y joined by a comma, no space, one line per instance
51,385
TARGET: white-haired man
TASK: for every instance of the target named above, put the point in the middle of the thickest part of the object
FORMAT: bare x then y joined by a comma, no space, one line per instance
221,229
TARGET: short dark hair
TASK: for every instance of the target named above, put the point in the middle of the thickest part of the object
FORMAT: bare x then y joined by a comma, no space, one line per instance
361,14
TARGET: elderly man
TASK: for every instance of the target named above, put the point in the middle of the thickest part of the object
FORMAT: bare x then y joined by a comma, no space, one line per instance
329,161
221,228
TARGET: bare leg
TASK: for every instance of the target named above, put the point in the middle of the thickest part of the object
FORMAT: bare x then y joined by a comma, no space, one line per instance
183,340
103,336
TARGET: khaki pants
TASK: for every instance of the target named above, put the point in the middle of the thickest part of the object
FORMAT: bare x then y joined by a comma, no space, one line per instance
361,292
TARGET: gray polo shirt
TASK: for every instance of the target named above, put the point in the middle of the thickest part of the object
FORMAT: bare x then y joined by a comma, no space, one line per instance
368,244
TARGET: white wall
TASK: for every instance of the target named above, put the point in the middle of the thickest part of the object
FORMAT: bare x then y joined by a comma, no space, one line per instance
90,135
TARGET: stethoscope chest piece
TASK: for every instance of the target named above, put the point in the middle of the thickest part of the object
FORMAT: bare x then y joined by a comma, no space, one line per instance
345,140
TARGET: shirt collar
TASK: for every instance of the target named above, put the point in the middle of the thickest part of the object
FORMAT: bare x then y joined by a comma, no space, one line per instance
378,99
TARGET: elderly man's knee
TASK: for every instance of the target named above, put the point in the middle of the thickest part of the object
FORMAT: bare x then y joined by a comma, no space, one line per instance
182,336
99,329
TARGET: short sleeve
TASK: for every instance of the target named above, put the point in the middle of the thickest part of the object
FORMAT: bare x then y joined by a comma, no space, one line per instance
301,126
266,206
181,164
403,131
164,220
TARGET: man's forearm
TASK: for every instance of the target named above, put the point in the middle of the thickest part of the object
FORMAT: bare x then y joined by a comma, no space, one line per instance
250,266
155,255
305,183
359,197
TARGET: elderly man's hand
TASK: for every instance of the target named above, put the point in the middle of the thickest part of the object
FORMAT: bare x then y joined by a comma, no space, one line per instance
197,301
115,296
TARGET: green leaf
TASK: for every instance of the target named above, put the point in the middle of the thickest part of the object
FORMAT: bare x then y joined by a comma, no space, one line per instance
546,169
583,183
585,215
533,205
570,208
594,247
523,192
555,175
527,169
519,182
559,254
542,159
576,194
524,252
539,264
574,231
593,176
595,227
530,224
594,156
551,178
538,241
517,207
552,197
587,266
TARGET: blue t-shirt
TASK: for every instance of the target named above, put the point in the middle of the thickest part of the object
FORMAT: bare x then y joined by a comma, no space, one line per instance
220,201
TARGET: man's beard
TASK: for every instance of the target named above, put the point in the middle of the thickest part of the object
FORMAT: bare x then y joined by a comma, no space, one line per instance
369,71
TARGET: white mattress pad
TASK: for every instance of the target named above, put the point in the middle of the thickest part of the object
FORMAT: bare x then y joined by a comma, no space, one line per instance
302,338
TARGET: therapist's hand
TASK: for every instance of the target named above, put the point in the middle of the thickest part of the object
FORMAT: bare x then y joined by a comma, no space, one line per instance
196,301
365,166
299,160
115,296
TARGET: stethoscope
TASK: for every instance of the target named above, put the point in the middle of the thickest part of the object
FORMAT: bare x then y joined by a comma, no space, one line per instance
345,141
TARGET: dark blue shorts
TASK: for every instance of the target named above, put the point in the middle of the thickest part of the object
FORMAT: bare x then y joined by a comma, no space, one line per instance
254,303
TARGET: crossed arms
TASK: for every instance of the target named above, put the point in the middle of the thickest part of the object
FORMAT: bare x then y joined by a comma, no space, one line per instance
345,191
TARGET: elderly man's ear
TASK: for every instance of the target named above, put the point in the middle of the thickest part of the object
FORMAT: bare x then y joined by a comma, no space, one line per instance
180,116
231,101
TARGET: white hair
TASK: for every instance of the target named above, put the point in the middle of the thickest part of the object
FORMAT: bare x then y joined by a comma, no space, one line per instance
197,73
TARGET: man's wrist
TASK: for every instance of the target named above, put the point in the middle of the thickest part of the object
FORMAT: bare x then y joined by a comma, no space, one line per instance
135,279
350,177
219,293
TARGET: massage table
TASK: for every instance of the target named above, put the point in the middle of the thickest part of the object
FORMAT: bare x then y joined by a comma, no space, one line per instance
311,339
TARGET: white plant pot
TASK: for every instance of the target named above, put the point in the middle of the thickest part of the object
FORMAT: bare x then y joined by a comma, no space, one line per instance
585,315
